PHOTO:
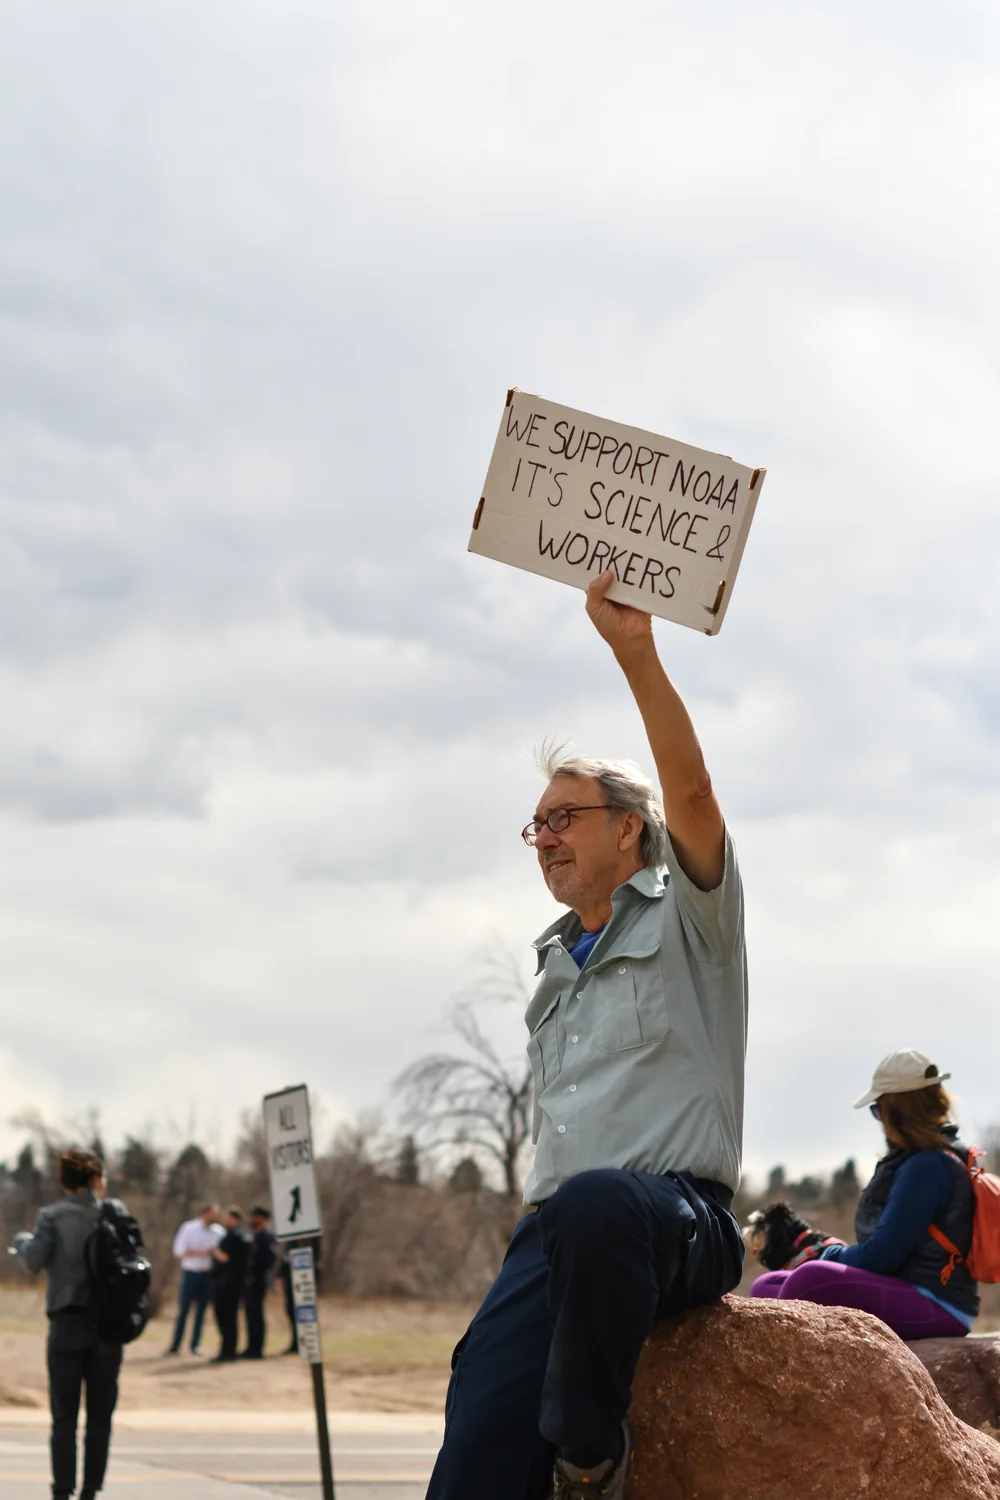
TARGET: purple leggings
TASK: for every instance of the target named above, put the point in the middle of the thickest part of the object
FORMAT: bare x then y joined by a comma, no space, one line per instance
896,1302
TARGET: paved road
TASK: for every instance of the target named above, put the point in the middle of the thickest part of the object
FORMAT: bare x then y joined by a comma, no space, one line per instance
376,1457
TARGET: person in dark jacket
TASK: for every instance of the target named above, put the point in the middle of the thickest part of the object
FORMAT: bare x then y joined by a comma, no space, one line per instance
898,1270
76,1356
229,1275
260,1273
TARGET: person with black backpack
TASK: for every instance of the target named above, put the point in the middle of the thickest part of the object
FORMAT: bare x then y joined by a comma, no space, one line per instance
97,1300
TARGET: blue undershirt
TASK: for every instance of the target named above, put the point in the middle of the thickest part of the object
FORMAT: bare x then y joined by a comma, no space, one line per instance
584,946
921,1191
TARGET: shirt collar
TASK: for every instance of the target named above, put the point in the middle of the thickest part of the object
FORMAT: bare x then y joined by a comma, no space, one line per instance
648,882
567,929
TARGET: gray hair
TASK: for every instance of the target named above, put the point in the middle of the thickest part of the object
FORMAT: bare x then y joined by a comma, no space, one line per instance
625,789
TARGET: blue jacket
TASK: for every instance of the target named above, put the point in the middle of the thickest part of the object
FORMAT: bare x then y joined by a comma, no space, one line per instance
911,1190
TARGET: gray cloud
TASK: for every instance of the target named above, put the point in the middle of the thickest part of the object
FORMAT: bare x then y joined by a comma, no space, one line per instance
264,279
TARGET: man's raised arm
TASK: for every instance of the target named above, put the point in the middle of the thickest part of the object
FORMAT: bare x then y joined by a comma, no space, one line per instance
694,818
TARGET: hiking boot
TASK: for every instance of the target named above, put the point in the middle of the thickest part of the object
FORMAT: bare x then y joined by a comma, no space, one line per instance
605,1482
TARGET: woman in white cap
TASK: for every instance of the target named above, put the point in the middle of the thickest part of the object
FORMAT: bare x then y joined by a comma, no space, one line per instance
898,1270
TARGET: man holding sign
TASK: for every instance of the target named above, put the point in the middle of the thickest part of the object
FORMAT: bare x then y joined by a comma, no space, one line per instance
637,1040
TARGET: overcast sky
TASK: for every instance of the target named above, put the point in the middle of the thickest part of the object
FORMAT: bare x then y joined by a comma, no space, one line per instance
266,273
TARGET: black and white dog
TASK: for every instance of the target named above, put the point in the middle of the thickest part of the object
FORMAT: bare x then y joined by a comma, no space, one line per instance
780,1240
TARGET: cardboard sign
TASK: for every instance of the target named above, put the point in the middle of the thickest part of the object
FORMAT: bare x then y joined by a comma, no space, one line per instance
288,1135
569,495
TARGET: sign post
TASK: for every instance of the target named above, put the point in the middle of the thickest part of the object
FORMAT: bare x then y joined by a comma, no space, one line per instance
310,1349
288,1135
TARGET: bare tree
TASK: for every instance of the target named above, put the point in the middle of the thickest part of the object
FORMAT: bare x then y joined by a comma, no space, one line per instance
476,1100
250,1153
499,976
348,1186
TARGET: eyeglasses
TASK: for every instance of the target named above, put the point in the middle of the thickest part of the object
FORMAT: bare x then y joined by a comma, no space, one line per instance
558,820
876,1110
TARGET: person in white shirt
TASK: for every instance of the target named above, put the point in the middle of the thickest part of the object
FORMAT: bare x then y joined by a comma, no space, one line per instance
194,1244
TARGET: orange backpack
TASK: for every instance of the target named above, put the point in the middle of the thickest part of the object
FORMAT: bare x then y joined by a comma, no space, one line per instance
983,1259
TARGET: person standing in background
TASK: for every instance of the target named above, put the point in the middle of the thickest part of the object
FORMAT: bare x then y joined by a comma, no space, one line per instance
194,1246
260,1273
229,1272
77,1357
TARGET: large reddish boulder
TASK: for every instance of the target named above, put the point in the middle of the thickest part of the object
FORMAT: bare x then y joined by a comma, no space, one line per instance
767,1400
967,1374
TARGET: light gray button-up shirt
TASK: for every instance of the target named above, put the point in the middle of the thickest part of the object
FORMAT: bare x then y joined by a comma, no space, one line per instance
638,1058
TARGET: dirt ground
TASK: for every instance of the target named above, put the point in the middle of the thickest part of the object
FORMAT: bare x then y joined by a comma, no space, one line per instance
390,1355
380,1355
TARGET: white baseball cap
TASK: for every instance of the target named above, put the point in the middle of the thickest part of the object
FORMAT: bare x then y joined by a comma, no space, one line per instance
900,1073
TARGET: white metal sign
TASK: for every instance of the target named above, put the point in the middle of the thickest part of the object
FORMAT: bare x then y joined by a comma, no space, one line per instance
306,1313
290,1163
570,495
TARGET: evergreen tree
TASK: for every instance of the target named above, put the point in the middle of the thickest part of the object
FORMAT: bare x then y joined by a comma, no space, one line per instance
844,1186
188,1176
139,1169
408,1162
467,1176
27,1181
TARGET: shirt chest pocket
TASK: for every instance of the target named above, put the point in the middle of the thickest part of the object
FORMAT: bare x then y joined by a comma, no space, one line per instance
630,1002
543,1046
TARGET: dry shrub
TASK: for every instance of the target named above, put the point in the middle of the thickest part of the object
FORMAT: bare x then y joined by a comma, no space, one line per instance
405,1241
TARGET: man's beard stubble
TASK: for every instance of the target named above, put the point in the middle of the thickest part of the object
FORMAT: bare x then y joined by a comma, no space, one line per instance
564,883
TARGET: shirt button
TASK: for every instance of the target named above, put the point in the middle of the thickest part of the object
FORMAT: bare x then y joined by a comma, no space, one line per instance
574,1038
572,1088
622,969
562,1129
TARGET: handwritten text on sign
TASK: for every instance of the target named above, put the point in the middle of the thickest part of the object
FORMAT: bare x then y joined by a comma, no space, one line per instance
569,495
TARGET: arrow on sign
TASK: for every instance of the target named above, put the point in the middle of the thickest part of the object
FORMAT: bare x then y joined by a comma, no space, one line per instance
296,1205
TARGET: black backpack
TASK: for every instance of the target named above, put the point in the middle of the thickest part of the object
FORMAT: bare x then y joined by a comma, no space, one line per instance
119,1271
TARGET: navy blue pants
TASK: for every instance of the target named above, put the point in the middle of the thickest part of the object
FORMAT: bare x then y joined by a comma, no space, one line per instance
254,1294
196,1292
547,1363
